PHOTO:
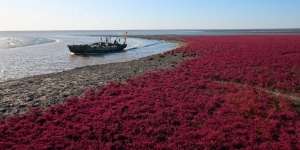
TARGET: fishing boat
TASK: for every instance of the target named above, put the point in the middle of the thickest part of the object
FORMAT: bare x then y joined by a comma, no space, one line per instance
100,47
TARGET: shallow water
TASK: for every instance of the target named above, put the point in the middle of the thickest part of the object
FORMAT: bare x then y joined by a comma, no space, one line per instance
24,54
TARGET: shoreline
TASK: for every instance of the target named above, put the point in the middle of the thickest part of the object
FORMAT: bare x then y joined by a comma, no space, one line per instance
17,63
17,96
171,39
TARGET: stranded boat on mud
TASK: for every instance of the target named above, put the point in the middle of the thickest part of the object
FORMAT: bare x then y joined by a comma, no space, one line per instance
100,47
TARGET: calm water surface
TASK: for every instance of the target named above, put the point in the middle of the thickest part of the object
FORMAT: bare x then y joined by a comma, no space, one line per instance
24,54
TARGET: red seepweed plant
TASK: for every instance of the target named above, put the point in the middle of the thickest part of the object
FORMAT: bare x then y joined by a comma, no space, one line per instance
217,100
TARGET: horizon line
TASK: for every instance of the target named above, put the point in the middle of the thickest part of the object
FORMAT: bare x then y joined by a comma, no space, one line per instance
179,29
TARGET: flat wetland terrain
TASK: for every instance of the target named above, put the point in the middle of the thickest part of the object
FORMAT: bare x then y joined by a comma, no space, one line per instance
213,92
18,96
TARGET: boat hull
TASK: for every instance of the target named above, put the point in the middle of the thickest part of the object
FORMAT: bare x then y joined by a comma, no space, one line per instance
86,49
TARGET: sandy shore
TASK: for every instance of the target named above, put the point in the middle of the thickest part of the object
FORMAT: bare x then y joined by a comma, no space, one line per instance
17,96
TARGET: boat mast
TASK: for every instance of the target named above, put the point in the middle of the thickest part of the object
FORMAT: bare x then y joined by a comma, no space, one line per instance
126,33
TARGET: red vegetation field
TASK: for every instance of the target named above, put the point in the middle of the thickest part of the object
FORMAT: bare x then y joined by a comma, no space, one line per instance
217,100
